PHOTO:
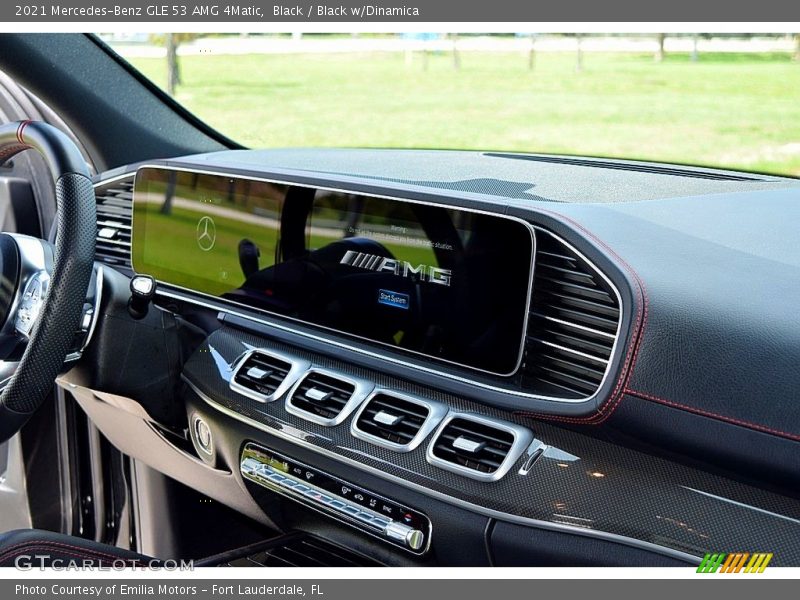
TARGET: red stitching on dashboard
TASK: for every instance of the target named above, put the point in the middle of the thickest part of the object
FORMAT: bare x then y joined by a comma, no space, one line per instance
713,415
632,353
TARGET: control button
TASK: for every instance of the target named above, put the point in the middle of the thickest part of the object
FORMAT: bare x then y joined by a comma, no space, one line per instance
336,504
366,517
380,522
86,321
351,510
289,483
301,489
412,538
250,465
202,434
415,540
387,509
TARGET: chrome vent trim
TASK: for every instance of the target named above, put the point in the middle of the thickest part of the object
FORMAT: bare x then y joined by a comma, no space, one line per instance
573,325
290,369
114,200
360,390
521,438
435,413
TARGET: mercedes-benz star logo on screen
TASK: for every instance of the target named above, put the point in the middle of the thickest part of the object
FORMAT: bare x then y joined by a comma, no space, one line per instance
206,233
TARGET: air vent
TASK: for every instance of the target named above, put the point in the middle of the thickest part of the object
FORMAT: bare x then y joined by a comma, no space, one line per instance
478,447
325,397
573,324
114,209
396,421
265,376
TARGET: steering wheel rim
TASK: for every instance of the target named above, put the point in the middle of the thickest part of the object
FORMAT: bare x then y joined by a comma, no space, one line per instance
52,334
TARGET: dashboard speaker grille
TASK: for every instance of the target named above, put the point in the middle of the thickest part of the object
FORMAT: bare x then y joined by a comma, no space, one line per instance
114,216
473,445
262,373
322,395
573,323
392,419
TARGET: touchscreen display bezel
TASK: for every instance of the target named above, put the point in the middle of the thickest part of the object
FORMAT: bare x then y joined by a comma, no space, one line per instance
138,232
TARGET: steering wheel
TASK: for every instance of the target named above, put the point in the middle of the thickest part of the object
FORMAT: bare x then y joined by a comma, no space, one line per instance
42,290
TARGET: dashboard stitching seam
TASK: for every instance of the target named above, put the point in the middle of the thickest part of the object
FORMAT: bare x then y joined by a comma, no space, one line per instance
603,412
717,416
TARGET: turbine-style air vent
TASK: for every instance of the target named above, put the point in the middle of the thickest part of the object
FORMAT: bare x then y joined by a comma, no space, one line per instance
397,421
114,215
477,446
265,376
573,324
326,398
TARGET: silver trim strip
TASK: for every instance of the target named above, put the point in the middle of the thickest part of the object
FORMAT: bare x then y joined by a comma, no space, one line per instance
742,505
296,369
488,512
436,412
522,439
361,391
191,297
574,325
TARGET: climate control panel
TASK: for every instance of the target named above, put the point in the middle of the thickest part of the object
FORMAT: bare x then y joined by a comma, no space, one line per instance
380,517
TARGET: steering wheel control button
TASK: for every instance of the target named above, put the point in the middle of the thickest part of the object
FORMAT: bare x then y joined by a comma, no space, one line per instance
341,500
143,289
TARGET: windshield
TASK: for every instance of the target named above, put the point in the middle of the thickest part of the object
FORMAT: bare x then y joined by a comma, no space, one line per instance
728,101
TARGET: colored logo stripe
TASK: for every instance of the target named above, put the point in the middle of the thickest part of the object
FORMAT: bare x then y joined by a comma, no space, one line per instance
735,562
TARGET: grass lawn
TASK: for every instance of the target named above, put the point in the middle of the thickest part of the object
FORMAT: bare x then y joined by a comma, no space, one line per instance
733,110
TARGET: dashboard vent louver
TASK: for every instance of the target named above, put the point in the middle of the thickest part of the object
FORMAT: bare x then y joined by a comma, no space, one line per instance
472,445
573,324
392,419
322,395
114,216
263,376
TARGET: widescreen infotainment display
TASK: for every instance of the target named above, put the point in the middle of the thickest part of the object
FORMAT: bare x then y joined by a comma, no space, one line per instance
446,283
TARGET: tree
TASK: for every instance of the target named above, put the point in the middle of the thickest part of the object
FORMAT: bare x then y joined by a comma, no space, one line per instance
172,41
797,47
660,51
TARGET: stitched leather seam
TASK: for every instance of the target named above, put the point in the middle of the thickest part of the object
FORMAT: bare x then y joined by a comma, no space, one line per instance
632,353
48,545
713,415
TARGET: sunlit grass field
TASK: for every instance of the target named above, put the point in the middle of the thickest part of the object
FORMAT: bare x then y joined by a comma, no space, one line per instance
734,110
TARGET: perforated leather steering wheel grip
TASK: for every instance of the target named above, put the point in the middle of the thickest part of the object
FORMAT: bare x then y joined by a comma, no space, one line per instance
52,336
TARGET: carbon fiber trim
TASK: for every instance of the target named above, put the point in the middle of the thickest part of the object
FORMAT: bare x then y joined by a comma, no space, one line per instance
578,482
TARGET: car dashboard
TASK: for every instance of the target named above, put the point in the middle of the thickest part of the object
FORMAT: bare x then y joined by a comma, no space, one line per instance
636,407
